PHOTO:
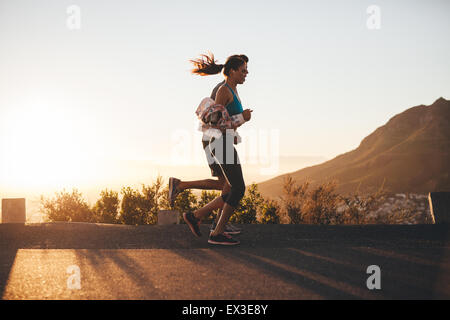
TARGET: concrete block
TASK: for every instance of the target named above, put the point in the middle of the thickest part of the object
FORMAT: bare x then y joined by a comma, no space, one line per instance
166,217
439,206
13,211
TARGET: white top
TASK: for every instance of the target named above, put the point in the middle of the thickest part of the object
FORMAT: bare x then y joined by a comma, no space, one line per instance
237,120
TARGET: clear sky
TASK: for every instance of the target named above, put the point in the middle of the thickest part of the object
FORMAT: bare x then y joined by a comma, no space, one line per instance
73,102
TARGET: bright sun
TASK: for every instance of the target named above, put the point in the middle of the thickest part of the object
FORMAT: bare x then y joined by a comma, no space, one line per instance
41,147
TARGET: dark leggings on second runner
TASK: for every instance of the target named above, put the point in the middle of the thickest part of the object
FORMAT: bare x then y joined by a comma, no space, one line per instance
231,168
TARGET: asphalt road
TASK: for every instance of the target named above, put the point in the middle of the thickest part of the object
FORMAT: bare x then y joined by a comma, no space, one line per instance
272,262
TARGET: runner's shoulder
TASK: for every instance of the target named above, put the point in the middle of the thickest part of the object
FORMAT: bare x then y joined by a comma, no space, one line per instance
223,93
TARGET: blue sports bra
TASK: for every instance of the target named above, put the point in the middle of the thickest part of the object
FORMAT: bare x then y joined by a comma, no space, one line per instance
234,107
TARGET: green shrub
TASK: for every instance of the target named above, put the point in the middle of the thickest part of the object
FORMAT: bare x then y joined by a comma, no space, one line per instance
133,210
70,207
269,213
316,206
300,203
106,209
320,205
293,199
248,207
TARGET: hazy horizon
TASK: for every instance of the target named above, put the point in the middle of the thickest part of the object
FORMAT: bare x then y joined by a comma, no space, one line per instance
146,172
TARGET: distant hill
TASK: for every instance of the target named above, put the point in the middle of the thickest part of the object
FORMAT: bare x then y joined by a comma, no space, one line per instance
411,152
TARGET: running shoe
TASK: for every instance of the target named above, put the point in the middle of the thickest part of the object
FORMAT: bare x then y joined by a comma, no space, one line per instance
193,223
173,191
234,228
228,228
223,239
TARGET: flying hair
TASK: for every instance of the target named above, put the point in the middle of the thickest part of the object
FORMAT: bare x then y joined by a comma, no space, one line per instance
206,65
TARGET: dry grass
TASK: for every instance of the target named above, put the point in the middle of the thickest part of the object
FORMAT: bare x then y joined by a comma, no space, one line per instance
322,205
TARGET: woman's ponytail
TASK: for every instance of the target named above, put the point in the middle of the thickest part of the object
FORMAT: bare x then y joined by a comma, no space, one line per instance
206,65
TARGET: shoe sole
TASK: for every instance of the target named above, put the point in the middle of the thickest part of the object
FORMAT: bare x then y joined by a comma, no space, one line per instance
223,243
233,232
234,229
229,232
190,226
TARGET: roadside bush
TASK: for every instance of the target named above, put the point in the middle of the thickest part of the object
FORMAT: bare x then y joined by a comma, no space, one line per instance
141,207
356,208
70,207
359,209
293,200
300,203
316,206
248,207
320,205
155,199
106,209
133,210
269,213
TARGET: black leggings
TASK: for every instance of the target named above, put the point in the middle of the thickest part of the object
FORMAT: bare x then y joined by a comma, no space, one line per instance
230,167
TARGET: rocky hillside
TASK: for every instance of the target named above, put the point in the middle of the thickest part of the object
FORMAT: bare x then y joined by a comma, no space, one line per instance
410,153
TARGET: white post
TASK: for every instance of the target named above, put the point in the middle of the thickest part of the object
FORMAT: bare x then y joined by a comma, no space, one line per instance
166,217
13,210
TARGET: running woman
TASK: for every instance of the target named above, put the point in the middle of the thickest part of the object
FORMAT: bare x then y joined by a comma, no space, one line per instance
177,186
235,72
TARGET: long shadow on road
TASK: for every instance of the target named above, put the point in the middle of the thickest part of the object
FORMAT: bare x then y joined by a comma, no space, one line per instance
272,262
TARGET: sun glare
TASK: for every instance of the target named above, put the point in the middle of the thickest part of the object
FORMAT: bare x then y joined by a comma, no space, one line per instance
41,147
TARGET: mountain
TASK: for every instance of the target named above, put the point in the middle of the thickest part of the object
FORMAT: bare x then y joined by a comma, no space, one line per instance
410,153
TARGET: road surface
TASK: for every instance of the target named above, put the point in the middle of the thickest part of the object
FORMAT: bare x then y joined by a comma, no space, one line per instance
101,261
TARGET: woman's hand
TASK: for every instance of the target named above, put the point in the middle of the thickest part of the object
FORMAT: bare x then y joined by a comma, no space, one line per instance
247,114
